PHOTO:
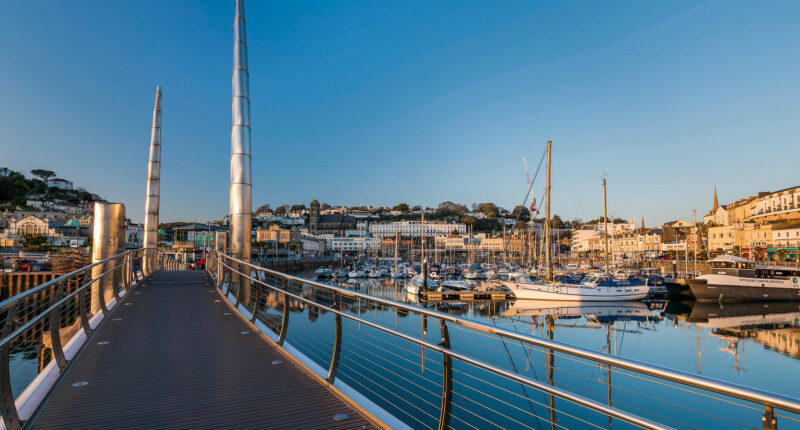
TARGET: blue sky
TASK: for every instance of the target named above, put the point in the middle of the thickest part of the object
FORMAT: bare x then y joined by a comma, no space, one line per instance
418,102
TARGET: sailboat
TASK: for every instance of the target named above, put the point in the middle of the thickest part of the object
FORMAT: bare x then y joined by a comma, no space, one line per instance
597,289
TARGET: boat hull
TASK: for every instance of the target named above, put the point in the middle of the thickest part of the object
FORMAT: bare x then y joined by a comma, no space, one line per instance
706,291
576,292
678,288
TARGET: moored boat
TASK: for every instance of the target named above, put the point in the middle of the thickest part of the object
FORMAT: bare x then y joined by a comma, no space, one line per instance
596,288
738,279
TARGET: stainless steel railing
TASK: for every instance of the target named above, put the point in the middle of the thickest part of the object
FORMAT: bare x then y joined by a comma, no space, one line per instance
48,316
259,282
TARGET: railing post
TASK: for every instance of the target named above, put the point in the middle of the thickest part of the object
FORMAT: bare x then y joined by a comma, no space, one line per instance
285,319
239,276
447,378
82,305
115,279
255,300
769,421
337,343
55,328
7,406
101,299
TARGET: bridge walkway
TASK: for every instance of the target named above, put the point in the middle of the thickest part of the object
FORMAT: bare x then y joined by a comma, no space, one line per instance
175,354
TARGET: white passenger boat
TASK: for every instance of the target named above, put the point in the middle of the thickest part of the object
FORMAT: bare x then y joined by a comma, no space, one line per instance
734,278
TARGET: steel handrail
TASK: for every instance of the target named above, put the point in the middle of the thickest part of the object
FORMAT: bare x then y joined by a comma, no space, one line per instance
753,395
5,304
51,308
564,394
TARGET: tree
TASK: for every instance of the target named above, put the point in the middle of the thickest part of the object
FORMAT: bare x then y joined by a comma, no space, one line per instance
44,174
325,206
468,220
298,207
402,207
34,241
4,171
281,210
556,222
454,233
416,208
781,254
450,209
490,209
525,214
262,208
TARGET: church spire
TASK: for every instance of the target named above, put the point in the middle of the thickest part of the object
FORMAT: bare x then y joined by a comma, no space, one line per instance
716,202
642,222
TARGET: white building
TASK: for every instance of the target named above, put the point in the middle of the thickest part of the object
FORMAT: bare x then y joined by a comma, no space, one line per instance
582,237
353,244
59,183
313,243
784,202
786,236
416,229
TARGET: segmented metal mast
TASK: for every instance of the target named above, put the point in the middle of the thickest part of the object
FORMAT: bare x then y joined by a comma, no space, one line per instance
153,179
240,190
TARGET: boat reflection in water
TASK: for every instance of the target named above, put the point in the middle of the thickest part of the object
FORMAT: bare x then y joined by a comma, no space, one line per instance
776,325
597,311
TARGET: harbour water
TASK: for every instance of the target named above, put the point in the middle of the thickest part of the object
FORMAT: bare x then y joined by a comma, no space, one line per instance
756,345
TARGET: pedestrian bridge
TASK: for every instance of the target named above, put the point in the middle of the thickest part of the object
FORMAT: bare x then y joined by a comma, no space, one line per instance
133,341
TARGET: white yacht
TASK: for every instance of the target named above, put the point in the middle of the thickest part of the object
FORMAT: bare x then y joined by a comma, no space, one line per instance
356,273
323,272
455,284
596,288
416,282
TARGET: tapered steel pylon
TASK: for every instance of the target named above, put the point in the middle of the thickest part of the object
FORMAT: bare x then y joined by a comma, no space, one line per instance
153,181
240,191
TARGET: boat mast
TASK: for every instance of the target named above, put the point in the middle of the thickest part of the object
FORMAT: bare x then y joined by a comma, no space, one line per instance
549,273
605,226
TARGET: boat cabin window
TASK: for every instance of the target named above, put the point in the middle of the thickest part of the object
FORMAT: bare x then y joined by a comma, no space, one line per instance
731,265
770,272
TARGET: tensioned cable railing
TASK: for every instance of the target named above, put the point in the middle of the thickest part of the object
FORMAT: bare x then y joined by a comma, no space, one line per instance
390,360
51,321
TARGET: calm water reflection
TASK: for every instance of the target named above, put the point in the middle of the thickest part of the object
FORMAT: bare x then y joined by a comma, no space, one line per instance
753,344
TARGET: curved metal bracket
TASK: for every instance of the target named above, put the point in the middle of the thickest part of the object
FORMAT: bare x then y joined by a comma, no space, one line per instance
284,321
55,326
239,283
7,406
82,306
115,280
447,379
337,343
255,302
101,294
